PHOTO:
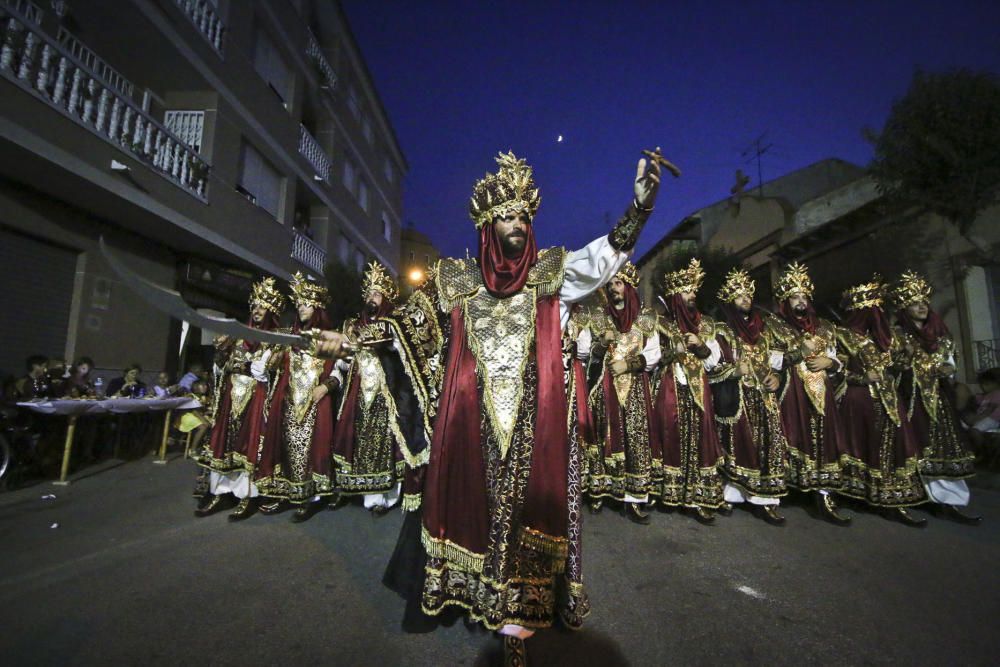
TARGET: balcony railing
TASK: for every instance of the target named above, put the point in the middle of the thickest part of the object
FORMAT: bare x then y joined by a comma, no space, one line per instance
308,252
25,8
202,14
314,51
49,71
312,151
94,63
189,126
987,354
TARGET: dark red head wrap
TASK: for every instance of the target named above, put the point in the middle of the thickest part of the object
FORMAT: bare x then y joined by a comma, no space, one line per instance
687,320
873,322
319,320
930,334
625,317
808,322
749,328
504,276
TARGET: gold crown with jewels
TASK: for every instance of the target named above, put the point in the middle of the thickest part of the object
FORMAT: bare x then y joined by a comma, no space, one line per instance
510,190
265,293
628,274
738,283
865,295
911,288
795,280
376,279
685,280
306,292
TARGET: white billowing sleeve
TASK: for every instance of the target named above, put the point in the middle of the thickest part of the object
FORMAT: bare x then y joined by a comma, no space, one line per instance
715,357
652,351
587,269
831,352
776,358
583,344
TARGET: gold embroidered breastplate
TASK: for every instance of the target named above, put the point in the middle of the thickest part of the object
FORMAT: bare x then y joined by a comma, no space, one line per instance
304,372
241,385
500,332
626,345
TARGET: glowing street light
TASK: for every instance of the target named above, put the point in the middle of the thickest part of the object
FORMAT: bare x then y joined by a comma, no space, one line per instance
416,276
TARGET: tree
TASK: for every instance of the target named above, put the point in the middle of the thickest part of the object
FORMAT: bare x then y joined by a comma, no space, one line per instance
345,292
940,147
715,262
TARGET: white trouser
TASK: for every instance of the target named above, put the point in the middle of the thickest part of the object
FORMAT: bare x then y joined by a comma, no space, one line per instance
236,483
947,491
735,495
516,631
387,499
629,498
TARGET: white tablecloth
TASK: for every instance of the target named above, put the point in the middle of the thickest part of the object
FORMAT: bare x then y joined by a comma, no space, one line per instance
77,407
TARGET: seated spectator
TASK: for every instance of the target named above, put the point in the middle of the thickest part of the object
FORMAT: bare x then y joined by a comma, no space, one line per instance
196,420
196,371
79,383
58,375
129,385
985,417
164,388
35,384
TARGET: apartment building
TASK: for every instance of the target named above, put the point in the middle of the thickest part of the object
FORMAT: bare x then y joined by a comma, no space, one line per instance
209,141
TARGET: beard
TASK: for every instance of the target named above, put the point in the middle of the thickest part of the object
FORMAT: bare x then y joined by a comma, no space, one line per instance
800,310
513,244
692,306
371,309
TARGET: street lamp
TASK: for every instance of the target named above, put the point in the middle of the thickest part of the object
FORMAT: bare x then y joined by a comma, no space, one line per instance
416,276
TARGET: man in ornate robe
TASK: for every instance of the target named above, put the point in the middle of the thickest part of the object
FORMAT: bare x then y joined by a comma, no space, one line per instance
500,516
685,414
626,341
300,423
746,404
583,437
927,363
244,388
369,449
882,453
809,416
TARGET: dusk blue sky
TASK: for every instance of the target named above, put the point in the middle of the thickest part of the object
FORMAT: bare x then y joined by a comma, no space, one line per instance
464,80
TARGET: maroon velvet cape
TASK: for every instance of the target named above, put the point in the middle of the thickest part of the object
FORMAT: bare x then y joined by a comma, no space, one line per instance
796,409
272,452
455,497
253,417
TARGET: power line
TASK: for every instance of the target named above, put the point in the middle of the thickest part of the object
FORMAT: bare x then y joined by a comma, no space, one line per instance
755,150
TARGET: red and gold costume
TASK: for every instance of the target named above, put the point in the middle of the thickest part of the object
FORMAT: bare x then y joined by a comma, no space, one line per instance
627,463
928,362
748,413
369,449
880,465
576,350
685,414
300,428
500,515
245,384
810,418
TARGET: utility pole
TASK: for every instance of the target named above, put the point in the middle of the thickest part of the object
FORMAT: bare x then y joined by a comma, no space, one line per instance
754,152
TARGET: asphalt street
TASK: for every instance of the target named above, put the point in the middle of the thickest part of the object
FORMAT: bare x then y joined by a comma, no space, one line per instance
115,570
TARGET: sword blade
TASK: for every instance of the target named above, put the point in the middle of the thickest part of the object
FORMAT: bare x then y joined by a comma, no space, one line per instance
173,304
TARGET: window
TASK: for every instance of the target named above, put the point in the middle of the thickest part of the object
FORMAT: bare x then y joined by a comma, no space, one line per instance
359,261
412,256
344,250
259,180
390,174
187,125
271,66
349,175
366,129
427,260
363,194
386,227
353,103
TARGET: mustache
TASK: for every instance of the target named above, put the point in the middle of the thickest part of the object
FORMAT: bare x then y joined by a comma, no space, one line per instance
517,234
